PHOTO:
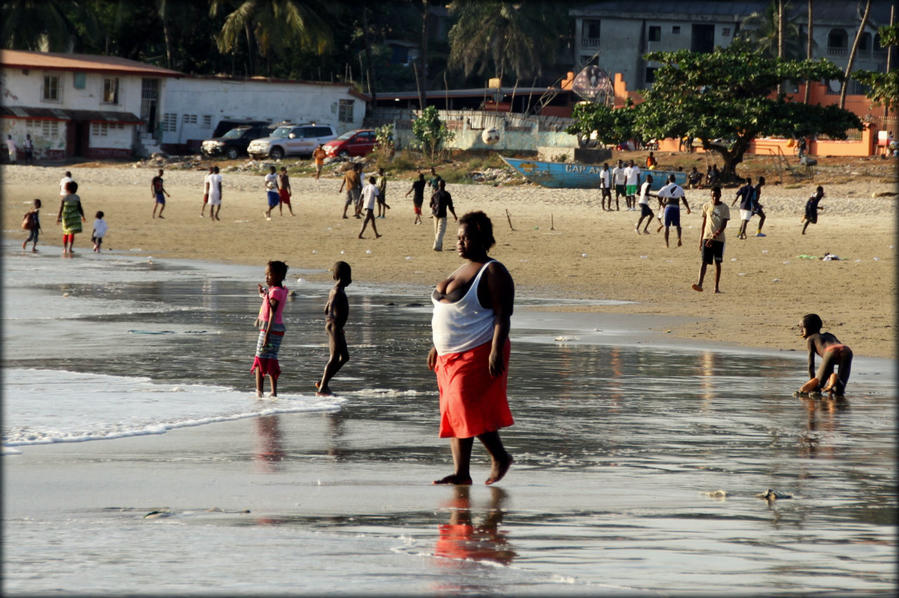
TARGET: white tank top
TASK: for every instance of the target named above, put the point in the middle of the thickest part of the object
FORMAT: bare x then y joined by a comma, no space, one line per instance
463,325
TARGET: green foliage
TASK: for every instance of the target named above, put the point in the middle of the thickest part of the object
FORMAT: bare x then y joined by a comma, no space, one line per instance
883,88
760,30
430,132
723,99
602,123
384,135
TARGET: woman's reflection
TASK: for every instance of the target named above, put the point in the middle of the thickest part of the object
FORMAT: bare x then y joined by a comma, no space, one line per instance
269,450
461,539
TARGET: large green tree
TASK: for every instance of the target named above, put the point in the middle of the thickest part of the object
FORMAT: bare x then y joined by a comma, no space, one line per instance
598,122
502,37
724,98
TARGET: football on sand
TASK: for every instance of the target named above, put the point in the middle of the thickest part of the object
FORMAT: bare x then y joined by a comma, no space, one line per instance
490,136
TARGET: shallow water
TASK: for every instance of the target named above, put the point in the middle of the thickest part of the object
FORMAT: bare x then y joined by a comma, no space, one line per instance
616,445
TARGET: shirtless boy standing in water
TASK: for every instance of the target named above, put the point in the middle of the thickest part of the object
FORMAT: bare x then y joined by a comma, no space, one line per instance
336,312
834,356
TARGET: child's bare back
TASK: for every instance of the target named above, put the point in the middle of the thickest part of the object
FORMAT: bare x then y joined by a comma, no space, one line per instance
337,310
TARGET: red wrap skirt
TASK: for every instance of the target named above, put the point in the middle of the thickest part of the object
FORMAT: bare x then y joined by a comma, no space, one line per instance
472,401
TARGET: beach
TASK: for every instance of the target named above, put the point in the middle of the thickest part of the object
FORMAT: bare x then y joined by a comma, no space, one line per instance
561,245
649,419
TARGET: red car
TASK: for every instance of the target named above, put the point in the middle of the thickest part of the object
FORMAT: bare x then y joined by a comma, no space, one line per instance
352,143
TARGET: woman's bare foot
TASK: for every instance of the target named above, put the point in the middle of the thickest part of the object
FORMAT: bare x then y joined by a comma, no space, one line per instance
322,392
831,383
499,469
454,479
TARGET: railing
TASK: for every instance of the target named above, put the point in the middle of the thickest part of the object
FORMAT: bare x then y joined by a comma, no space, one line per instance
589,42
838,51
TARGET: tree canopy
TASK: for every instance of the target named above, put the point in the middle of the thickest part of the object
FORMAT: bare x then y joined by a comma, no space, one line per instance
883,88
724,98
598,122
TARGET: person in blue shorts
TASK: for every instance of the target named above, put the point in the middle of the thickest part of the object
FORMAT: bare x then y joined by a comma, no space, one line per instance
157,190
673,194
271,190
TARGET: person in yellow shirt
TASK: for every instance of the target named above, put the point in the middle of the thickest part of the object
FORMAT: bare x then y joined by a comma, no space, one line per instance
319,156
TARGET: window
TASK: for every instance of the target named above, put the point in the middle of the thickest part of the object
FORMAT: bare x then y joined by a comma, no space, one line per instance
675,29
837,42
169,122
650,74
189,119
46,128
655,33
99,129
111,91
79,80
51,88
207,121
725,32
590,34
345,111
864,43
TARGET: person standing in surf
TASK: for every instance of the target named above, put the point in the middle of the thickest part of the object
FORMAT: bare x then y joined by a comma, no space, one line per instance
337,310
470,329
271,326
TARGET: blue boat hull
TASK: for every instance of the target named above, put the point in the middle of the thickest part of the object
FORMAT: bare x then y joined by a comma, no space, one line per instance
567,175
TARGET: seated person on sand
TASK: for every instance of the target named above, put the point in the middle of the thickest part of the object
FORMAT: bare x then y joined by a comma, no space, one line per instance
336,312
836,358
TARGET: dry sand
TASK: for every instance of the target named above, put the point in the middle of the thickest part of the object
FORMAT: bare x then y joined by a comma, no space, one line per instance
563,245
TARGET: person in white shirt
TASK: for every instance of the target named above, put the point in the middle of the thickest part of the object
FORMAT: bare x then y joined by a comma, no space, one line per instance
618,179
632,179
63,182
271,190
605,185
673,194
645,210
215,194
206,191
11,149
369,198
99,231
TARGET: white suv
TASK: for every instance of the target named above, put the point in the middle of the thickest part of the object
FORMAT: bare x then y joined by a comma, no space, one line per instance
291,140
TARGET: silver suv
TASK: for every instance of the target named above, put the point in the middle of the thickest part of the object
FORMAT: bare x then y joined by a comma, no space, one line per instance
291,140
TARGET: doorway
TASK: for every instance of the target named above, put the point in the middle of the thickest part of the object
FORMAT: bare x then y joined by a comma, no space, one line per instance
703,38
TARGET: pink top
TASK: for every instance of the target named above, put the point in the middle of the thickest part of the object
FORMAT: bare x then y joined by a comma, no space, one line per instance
280,295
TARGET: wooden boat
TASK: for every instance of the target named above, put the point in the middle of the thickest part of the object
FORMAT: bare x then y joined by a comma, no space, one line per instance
570,175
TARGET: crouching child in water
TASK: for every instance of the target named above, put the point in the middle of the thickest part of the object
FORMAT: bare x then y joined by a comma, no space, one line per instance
836,358
336,312
271,326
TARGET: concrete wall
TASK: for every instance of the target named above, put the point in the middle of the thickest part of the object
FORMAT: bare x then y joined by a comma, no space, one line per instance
48,136
206,101
21,89
517,132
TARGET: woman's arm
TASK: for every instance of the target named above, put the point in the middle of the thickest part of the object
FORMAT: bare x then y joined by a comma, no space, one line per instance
501,289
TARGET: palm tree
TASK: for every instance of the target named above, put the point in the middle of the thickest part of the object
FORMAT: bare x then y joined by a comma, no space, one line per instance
504,36
269,25
808,50
37,25
858,36
769,32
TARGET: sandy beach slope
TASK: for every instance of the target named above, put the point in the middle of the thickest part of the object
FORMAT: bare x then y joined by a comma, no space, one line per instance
560,244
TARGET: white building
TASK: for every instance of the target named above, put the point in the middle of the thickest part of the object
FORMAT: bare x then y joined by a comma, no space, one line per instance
195,105
79,104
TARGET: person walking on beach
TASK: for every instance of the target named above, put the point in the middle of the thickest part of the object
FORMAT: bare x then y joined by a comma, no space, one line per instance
11,149
744,195
271,192
99,231
811,208
369,198
32,223
357,190
645,210
63,182
284,191
350,178
271,327
158,192
470,356
319,156
605,187
206,193
673,194
441,201
382,193
215,194
631,180
836,358
435,181
28,147
418,196
70,215
758,208
619,177
715,215
337,310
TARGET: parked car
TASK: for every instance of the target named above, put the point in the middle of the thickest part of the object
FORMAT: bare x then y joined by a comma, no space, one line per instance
291,140
234,143
360,142
227,124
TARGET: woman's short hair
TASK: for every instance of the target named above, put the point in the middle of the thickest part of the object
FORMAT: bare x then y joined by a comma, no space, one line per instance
480,229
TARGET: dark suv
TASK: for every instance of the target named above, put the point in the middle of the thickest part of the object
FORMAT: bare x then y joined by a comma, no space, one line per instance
234,143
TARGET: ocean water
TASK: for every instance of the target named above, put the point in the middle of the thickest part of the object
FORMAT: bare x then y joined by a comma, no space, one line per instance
637,462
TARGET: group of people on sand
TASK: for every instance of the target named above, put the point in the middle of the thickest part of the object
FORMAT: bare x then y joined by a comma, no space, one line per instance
70,217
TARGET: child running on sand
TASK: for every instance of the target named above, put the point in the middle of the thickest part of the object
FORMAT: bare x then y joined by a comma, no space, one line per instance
812,207
336,312
834,356
99,231
32,222
271,326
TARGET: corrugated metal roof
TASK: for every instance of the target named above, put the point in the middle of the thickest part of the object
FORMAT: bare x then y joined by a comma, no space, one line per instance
81,62
476,92
62,114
